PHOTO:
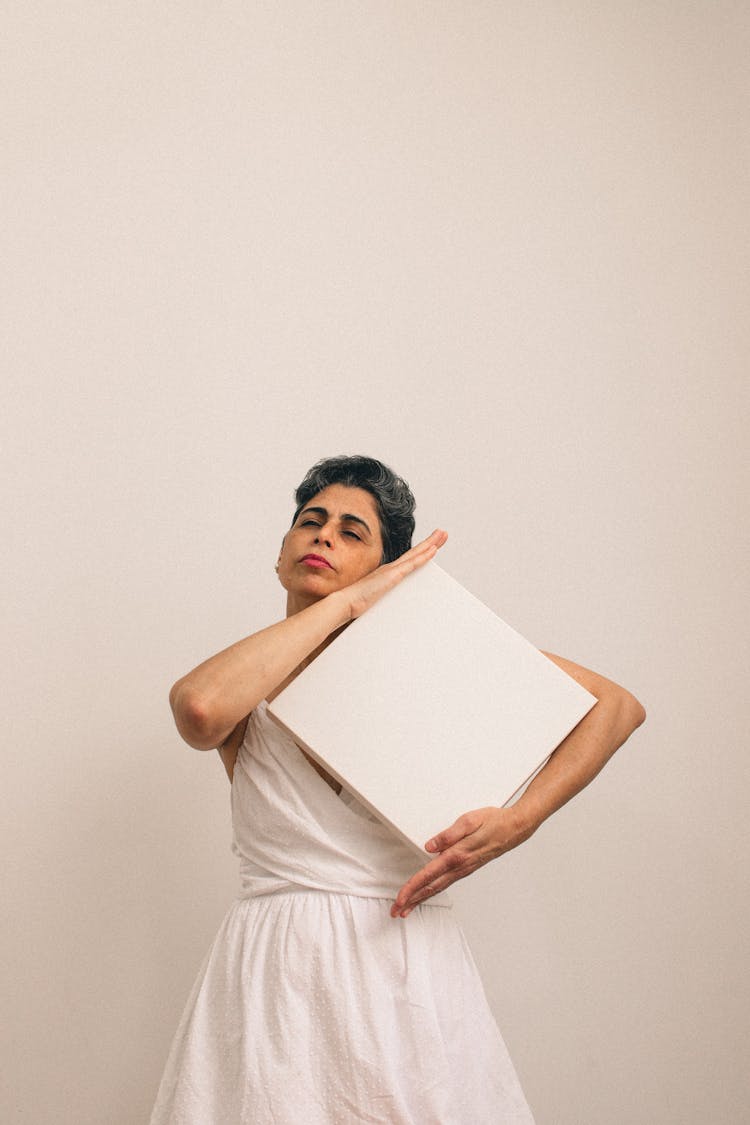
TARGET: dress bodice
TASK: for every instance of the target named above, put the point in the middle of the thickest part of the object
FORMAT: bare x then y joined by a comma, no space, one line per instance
291,830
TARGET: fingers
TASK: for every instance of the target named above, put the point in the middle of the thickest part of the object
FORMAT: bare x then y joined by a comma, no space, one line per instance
431,880
439,536
436,539
462,827
451,864
367,590
428,874
427,892
428,546
408,897
468,844
416,556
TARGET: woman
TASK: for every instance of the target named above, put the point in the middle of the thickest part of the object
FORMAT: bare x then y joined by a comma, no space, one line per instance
318,1003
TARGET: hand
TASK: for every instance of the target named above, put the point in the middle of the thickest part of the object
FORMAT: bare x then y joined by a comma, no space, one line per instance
474,839
366,591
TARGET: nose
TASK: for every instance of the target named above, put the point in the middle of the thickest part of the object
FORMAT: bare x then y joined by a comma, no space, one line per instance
325,535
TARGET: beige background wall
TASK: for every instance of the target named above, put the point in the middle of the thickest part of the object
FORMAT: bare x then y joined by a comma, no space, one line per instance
501,246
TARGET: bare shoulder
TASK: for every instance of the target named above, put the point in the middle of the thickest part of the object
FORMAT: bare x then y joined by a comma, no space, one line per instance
230,746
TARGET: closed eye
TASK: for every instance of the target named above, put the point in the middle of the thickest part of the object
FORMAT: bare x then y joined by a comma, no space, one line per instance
354,535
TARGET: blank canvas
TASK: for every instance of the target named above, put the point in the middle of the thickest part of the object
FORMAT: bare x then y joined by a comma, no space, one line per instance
429,705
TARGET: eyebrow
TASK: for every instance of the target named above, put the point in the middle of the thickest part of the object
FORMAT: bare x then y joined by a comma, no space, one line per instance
346,518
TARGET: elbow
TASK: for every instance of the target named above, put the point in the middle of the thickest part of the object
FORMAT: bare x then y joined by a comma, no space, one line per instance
632,712
634,709
640,713
193,717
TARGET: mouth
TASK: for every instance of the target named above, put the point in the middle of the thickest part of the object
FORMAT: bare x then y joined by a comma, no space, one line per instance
316,561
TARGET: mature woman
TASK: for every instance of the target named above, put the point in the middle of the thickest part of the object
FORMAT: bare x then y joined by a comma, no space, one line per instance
318,1002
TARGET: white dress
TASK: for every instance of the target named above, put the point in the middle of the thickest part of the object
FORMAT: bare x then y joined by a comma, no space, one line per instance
314,1006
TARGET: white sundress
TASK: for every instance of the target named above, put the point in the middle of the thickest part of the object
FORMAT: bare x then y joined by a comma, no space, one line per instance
313,1005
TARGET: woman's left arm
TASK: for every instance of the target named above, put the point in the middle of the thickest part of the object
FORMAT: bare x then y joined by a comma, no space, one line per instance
482,835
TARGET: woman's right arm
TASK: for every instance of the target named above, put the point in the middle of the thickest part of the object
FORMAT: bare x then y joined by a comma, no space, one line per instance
210,701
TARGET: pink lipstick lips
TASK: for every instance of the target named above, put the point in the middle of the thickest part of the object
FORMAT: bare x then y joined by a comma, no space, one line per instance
316,561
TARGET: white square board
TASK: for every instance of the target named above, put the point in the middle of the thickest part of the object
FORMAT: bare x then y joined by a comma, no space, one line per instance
429,705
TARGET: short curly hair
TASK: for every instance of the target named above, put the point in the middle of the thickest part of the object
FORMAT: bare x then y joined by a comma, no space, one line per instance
393,498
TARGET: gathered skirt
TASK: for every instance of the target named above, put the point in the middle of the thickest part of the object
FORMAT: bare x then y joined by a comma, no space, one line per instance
318,1008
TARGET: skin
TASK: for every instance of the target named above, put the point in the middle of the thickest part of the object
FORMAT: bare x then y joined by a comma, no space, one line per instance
340,525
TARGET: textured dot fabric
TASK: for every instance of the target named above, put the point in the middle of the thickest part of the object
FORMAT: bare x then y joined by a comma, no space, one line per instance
313,1005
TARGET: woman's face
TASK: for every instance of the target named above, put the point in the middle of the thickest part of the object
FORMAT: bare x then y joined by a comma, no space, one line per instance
334,540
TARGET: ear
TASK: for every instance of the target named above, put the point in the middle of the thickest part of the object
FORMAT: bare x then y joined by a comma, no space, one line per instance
281,548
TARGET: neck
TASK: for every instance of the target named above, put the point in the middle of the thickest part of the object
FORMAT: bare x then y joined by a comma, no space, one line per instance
295,603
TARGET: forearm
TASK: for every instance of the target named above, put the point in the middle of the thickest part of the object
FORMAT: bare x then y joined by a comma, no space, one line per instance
586,750
209,701
482,835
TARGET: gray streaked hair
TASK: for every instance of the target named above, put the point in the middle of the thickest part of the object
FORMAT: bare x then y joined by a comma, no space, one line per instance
394,500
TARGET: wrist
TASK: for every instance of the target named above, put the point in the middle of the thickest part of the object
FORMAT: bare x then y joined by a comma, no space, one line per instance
336,608
526,817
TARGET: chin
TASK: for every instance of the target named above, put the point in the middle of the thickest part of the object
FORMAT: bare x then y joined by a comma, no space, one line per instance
316,584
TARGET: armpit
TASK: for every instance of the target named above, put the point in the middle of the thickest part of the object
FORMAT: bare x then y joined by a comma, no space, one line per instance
229,748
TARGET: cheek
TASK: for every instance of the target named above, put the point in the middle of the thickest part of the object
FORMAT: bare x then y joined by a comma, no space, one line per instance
366,566
283,565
